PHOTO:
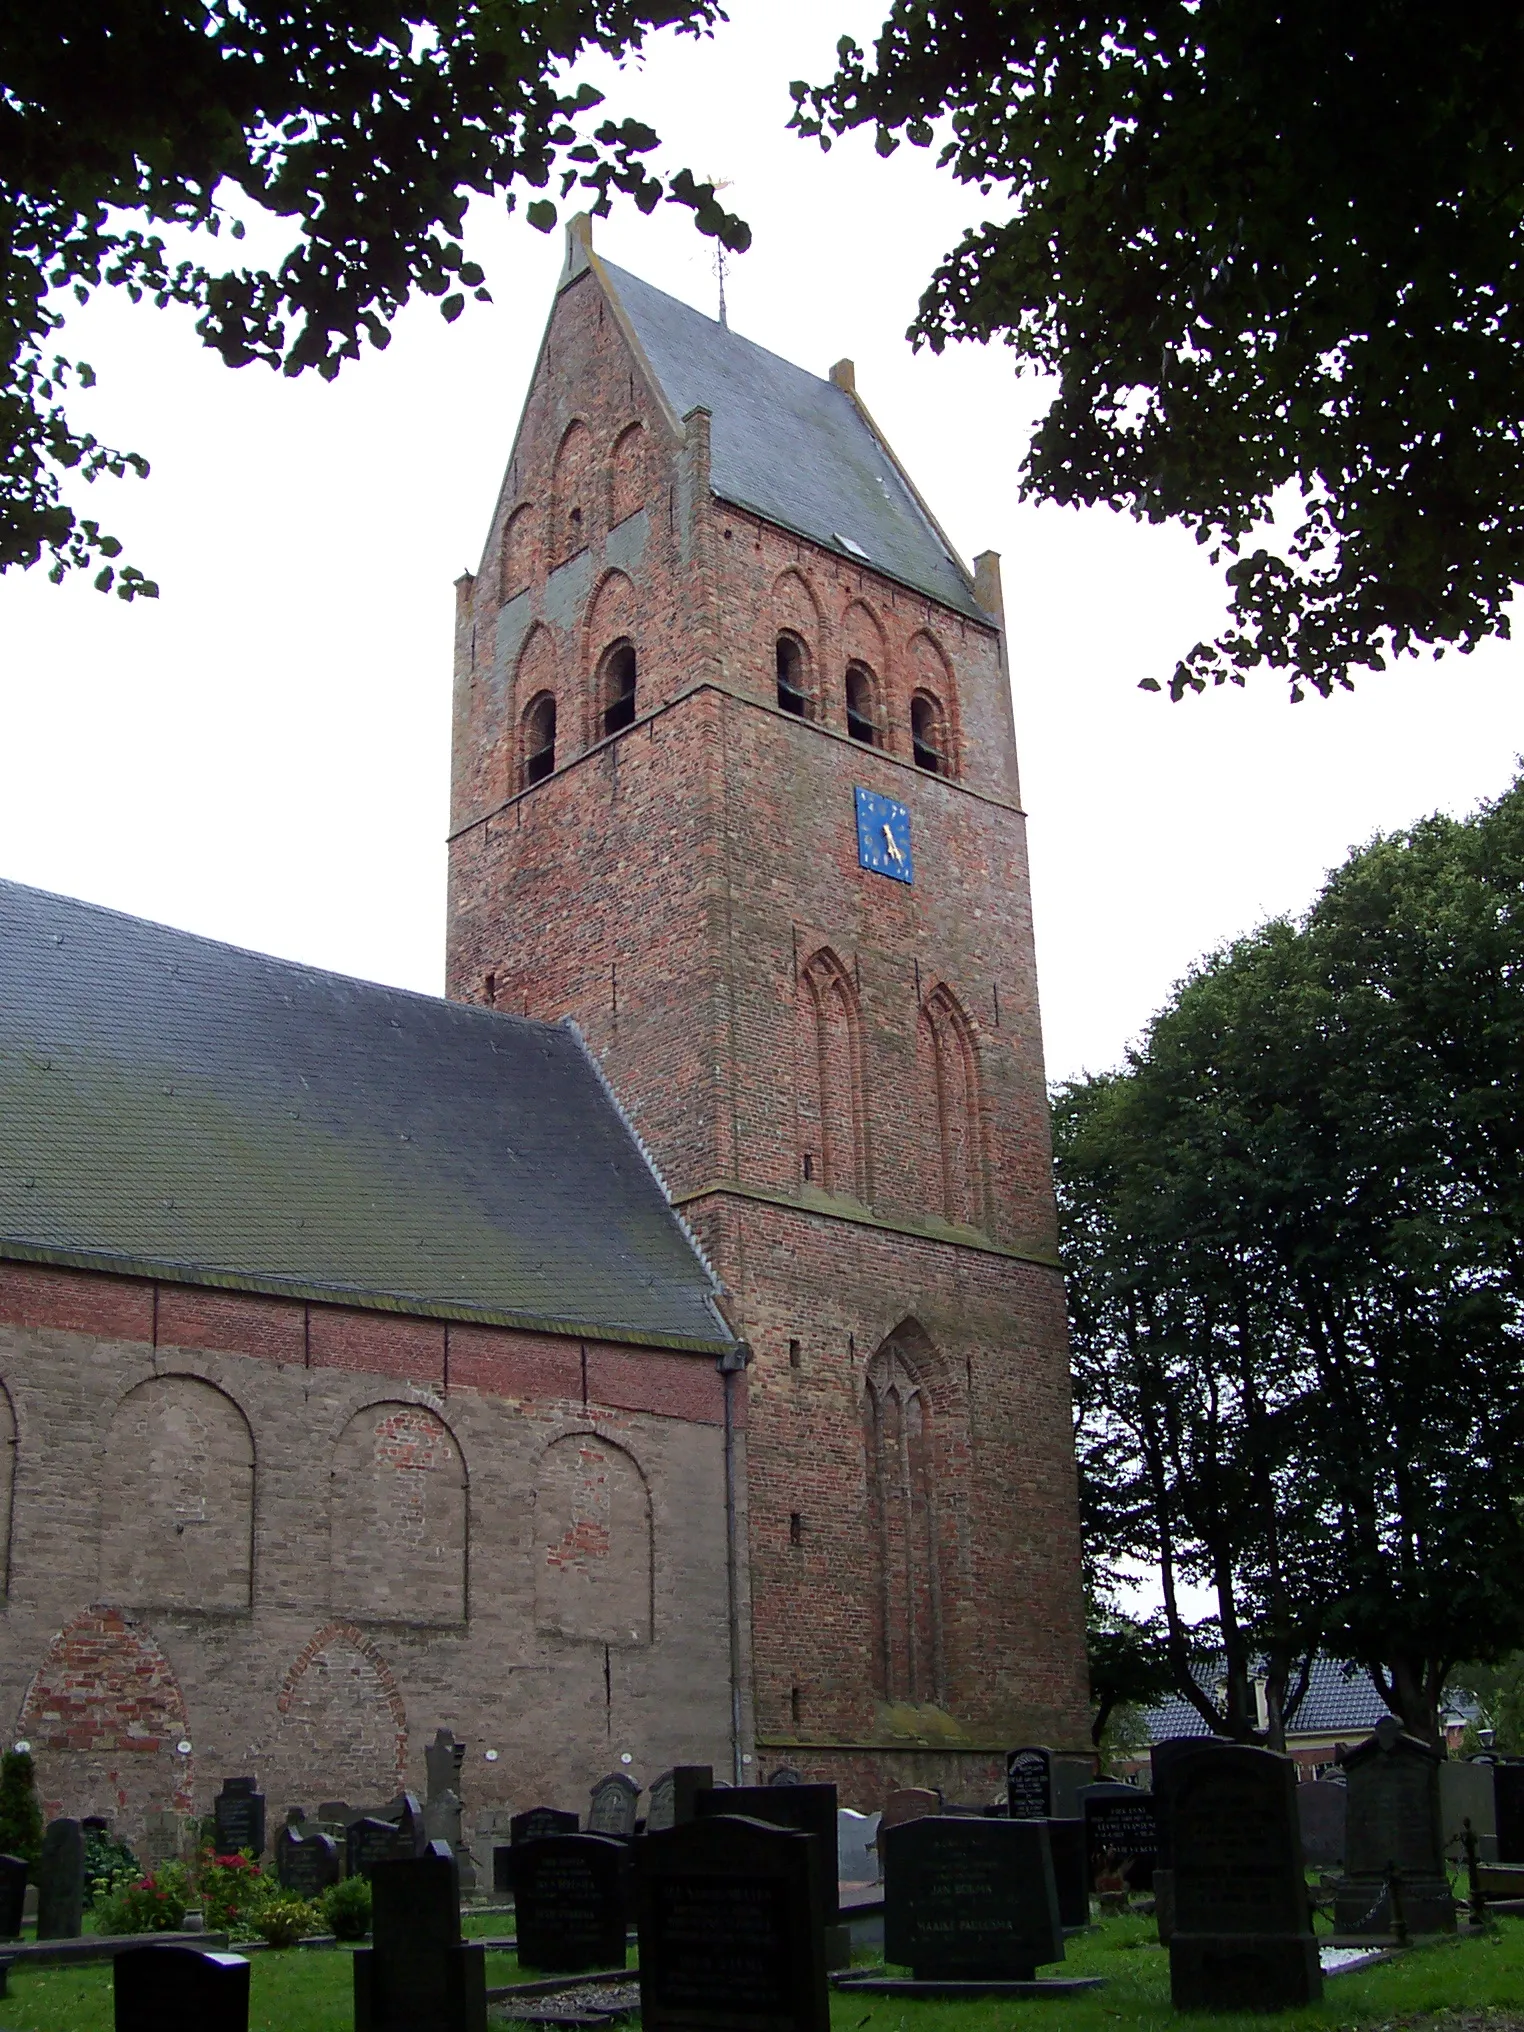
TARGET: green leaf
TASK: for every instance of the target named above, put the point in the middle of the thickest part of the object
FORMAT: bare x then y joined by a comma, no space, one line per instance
541,214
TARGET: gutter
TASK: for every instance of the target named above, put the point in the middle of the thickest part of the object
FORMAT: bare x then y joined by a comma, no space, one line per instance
730,1366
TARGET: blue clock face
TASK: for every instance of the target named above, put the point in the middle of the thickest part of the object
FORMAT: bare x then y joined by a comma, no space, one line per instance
883,836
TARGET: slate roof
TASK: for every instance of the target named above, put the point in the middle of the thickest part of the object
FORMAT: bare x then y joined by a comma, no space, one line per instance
1337,1702
170,1105
797,450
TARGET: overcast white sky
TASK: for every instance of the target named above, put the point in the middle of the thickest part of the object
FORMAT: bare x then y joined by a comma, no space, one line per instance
262,754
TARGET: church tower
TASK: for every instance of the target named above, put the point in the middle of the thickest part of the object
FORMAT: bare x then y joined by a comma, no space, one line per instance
735,788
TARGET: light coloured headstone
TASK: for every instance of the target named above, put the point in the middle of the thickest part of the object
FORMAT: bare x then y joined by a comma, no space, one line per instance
856,1855
1466,1793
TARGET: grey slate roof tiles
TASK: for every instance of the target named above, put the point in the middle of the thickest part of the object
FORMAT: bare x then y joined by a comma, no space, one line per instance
176,1106
1338,1701
795,449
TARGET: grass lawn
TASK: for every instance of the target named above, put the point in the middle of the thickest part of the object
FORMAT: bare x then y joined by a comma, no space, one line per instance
309,1990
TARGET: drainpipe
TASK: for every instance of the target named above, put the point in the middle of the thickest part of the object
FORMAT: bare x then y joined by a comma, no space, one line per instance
730,1366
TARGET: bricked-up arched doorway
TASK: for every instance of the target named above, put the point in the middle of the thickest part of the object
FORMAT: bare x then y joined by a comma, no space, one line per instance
103,1714
904,1528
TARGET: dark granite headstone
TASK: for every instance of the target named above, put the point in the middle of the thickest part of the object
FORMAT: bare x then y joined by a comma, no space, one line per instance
612,1808
1392,1823
1508,1805
12,1896
730,1933
337,1813
1160,1757
1121,1834
784,1775
442,1761
179,1989
570,1897
968,1900
1029,1783
1320,1804
61,1881
540,1820
367,1842
406,1815
809,1808
306,1863
419,1973
1242,1938
1071,1871
238,1813
673,1794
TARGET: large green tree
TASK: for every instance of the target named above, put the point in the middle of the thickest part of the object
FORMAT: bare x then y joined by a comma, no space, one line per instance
1292,1225
1272,255
366,124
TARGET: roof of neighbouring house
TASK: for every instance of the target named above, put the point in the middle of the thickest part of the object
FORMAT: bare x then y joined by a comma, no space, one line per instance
176,1107
797,450
1339,1700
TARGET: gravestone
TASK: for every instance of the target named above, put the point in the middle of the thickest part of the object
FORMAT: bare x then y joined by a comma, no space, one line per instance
540,1820
1467,1792
570,1897
612,1808
406,1815
441,1819
1122,1828
809,1808
673,1794
1029,1783
1071,1871
419,1973
238,1813
368,1842
1242,1938
442,1761
12,1896
179,1989
1508,1810
785,1775
856,1851
911,1802
165,1838
337,1813
1320,1807
306,1862
61,1881
730,1934
969,1901
1392,1824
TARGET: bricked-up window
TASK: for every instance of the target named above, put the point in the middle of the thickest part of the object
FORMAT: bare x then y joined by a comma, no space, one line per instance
951,1127
627,474
177,1499
570,492
397,1517
862,705
593,1543
618,687
514,571
928,734
539,738
831,1103
793,691
905,1530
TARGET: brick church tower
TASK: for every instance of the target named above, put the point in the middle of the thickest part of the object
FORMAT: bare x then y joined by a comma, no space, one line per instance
735,788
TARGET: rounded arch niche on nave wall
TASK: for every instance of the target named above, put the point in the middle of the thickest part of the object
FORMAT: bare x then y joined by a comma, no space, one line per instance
105,1716
341,1724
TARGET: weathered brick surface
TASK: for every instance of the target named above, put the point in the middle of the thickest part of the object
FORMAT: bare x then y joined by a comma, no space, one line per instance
839,1075
304,1567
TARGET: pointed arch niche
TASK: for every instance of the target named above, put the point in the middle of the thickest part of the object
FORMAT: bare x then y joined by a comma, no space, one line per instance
832,1102
904,1525
951,1112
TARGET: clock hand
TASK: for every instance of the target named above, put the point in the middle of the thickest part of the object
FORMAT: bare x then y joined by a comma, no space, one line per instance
889,842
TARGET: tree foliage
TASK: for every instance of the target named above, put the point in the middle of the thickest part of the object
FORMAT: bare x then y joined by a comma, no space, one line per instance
1292,1230
20,1814
367,124
1262,248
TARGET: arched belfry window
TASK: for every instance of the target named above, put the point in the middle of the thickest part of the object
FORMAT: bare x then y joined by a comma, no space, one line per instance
793,684
539,738
618,687
928,734
862,705
900,1445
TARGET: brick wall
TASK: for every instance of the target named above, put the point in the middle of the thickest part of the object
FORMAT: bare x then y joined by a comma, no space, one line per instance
839,1075
302,1538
